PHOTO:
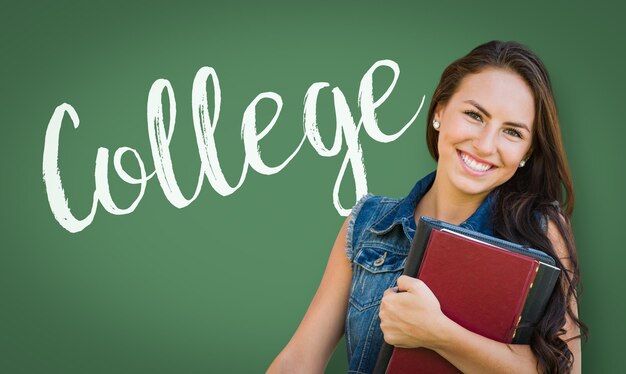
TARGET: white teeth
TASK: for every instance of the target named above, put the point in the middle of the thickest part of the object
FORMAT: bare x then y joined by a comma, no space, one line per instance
473,164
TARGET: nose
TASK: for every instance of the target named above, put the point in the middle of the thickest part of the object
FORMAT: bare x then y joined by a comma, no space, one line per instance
485,141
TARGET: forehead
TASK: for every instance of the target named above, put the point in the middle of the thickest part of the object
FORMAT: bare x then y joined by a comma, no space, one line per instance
503,93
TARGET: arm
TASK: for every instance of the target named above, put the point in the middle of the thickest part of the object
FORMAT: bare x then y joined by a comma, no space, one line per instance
414,319
313,343
572,335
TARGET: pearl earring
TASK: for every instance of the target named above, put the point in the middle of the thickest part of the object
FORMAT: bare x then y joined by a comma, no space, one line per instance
522,163
436,124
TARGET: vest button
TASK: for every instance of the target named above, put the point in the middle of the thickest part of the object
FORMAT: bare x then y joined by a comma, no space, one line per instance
381,260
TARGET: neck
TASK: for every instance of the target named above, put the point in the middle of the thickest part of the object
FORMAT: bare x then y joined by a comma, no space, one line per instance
447,204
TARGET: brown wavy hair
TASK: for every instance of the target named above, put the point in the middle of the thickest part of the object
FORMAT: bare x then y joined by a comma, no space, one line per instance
542,190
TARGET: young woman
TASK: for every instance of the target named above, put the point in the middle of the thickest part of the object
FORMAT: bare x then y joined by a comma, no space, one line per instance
501,169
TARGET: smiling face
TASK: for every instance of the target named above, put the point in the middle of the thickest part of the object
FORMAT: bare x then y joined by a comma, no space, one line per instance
486,130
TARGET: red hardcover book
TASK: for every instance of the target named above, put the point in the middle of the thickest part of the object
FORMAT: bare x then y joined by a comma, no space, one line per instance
479,286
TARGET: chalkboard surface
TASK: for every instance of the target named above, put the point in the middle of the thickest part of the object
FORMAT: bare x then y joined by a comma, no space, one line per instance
149,227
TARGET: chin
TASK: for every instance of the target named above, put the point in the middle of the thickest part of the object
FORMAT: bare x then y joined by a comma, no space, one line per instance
469,186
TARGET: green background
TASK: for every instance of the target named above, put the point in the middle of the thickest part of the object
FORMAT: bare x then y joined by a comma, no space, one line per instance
221,285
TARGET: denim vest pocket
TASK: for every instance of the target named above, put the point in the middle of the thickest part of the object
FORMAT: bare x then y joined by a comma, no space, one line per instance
377,267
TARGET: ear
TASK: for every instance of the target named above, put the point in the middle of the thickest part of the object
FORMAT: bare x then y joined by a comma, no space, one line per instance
439,109
528,154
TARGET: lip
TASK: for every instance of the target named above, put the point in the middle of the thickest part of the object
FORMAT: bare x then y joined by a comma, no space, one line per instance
478,159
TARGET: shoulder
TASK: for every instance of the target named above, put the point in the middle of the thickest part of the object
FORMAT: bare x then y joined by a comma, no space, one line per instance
558,231
371,204
544,216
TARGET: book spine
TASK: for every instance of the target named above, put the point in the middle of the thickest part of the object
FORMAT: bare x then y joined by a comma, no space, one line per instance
522,301
536,302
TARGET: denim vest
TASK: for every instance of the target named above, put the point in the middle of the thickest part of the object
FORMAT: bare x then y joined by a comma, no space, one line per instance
378,239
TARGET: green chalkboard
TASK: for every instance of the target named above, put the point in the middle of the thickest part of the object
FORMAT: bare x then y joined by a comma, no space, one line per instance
158,279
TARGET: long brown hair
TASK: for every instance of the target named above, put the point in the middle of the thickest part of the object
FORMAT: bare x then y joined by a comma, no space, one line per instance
542,190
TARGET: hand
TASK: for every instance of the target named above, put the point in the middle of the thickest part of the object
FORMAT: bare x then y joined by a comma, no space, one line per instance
411,316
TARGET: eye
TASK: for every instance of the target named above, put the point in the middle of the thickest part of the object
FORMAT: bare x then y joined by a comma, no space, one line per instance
474,115
513,132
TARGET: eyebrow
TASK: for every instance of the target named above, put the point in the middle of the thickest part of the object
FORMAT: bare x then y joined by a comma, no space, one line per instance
479,107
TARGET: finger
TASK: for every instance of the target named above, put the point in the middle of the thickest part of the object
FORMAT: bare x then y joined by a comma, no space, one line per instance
406,283
390,290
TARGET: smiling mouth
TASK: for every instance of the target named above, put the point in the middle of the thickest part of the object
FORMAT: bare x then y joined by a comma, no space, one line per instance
474,164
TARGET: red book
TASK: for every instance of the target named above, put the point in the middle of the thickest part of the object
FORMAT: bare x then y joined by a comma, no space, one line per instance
479,286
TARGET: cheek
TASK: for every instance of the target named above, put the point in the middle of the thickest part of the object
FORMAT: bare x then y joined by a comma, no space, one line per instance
513,156
444,145
452,136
